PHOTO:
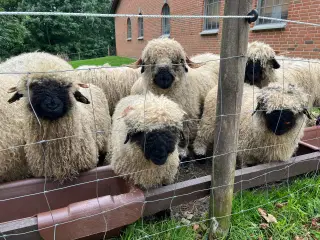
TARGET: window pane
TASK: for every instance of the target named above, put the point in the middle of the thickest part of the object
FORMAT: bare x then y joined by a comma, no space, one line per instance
274,9
212,8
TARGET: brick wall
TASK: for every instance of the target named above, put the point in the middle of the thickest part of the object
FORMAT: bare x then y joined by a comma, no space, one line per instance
296,39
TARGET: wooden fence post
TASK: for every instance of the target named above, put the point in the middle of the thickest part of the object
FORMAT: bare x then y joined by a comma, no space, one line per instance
234,42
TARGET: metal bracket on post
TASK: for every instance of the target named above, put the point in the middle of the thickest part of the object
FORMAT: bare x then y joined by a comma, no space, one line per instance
255,14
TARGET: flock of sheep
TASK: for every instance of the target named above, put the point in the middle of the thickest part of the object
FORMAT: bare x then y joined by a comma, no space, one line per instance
146,118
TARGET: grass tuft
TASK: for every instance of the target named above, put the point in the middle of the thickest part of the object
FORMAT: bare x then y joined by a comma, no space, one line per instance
112,60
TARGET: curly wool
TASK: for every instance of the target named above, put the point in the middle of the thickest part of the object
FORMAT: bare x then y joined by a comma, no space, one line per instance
143,113
116,83
302,73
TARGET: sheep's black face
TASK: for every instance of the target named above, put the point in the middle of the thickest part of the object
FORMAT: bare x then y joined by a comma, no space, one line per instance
253,73
50,99
163,78
156,145
280,122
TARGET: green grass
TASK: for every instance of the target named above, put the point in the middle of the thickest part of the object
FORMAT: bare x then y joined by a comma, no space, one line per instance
112,60
302,196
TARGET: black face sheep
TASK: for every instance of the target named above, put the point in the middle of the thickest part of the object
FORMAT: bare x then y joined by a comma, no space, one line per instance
271,133
61,120
261,64
146,133
12,156
167,70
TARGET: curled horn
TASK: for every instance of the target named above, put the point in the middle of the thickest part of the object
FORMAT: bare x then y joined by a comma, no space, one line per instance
193,64
80,98
136,64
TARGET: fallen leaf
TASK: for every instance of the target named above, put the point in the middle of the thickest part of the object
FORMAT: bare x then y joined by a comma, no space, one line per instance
281,205
203,226
270,238
268,217
260,238
189,216
185,221
195,227
264,225
298,238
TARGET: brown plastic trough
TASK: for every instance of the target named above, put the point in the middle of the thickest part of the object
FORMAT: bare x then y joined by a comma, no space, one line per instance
75,211
77,214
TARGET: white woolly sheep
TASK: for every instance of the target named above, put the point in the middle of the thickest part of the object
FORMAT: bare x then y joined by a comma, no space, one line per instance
115,82
272,131
146,132
305,73
261,64
60,119
167,70
13,161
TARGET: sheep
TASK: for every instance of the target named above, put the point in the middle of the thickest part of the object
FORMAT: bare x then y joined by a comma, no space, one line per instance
272,132
146,132
304,73
13,164
261,64
115,82
60,119
166,69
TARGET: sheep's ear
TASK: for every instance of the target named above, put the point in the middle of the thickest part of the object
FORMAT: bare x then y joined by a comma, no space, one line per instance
83,85
127,138
80,98
15,97
182,139
275,63
306,112
136,64
193,64
259,105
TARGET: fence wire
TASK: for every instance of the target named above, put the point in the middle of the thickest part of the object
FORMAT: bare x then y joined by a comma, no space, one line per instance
96,132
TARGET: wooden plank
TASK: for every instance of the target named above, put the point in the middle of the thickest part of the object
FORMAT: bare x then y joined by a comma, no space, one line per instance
162,198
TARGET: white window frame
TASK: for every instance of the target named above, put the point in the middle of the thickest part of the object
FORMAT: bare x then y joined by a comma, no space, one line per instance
129,29
140,28
206,30
165,22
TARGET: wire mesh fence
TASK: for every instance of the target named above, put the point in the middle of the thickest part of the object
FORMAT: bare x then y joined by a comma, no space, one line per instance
52,143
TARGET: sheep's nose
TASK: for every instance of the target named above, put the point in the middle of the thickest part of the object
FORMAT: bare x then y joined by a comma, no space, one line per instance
52,103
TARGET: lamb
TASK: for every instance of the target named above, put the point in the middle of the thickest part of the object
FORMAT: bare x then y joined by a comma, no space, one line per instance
272,132
166,69
146,132
261,64
60,119
115,82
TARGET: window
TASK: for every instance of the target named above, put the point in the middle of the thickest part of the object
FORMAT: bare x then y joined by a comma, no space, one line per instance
273,9
211,8
129,32
140,27
165,21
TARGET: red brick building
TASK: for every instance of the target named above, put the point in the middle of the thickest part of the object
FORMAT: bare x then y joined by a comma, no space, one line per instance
203,35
